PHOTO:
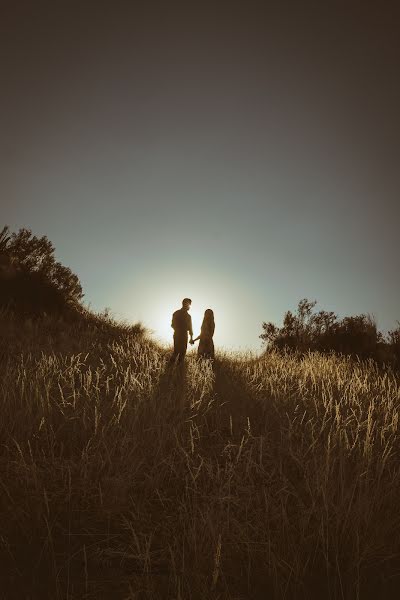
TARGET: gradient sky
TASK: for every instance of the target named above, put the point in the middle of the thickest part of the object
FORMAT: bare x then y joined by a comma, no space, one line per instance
243,154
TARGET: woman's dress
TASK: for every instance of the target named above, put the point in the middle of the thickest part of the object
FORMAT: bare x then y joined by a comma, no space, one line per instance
206,344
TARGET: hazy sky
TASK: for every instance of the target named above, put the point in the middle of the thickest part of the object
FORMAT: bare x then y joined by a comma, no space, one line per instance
243,154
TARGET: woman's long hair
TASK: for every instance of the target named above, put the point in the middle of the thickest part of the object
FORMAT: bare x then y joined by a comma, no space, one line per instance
208,320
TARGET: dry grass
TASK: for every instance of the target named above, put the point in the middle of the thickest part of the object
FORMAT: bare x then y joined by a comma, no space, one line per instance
256,478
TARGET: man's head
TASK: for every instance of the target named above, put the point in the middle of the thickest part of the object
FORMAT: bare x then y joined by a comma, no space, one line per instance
186,303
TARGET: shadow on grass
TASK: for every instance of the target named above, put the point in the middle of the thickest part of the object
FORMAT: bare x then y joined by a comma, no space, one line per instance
171,389
237,408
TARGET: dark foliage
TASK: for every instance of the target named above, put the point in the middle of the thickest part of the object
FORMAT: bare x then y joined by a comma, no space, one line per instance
31,279
323,331
394,345
31,293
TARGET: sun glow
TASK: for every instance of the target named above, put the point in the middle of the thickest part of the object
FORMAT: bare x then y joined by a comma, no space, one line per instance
162,324
161,293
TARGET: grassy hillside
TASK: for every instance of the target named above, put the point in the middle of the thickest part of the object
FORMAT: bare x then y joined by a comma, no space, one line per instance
275,477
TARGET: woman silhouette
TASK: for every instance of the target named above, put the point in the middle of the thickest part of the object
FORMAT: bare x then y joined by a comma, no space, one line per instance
206,345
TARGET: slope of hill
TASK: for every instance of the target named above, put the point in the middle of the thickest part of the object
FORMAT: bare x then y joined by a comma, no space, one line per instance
124,478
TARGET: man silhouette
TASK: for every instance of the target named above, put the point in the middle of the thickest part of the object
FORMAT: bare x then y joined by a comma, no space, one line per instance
182,324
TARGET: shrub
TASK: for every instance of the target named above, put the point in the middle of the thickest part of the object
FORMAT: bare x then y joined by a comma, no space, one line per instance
323,331
31,278
394,343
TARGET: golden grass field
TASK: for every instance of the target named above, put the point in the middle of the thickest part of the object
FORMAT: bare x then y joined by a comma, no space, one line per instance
253,478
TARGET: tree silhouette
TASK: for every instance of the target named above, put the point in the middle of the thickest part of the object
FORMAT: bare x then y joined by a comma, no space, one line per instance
32,275
4,239
323,331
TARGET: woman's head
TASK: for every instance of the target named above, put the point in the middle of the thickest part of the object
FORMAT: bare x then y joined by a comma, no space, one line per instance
209,315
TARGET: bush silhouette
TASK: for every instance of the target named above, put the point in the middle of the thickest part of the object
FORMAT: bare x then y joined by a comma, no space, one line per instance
31,293
394,341
32,280
323,331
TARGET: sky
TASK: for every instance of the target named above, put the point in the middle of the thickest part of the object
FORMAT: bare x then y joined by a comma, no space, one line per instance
243,154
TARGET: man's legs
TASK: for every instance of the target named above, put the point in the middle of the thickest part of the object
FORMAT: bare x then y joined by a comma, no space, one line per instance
180,347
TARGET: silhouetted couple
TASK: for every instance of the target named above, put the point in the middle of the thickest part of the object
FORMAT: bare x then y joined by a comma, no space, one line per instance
182,326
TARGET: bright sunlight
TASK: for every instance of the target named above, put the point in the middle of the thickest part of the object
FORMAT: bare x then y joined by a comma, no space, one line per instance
200,302
160,293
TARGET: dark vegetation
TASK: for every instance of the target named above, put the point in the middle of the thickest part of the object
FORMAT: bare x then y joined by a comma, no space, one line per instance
41,302
32,280
322,331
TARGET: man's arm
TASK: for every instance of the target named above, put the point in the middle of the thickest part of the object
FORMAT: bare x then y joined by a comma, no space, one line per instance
190,329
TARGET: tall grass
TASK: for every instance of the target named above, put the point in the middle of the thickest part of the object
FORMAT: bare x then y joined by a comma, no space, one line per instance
123,477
